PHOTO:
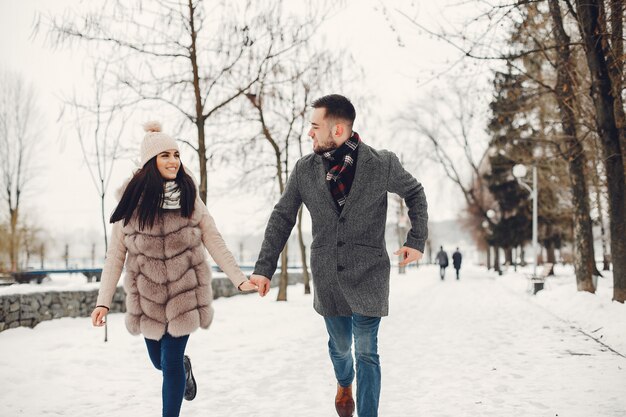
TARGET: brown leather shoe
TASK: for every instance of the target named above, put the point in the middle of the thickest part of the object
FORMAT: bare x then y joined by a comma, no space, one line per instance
344,404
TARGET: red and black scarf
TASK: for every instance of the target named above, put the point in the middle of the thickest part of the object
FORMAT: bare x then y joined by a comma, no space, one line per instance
341,173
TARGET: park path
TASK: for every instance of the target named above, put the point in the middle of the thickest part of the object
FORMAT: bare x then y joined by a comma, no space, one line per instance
477,348
472,347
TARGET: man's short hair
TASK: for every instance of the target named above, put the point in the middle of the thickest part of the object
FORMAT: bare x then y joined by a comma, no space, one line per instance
337,106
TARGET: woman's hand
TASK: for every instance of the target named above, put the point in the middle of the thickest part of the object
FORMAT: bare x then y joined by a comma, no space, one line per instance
247,286
97,316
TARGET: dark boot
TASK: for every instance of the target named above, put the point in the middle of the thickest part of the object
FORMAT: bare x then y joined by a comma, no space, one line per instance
344,403
190,382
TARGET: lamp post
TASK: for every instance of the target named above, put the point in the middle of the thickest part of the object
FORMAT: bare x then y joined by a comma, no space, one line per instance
519,172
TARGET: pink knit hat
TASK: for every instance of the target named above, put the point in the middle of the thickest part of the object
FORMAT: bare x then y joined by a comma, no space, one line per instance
155,142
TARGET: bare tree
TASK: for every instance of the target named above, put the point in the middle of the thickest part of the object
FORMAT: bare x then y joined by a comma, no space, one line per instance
605,58
303,253
19,126
523,35
194,56
98,122
448,127
565,96
31,239
280,103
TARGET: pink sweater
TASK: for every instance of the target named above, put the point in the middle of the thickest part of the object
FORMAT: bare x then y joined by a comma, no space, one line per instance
211,237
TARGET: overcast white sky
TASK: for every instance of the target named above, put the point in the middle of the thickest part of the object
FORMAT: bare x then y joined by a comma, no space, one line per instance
64,200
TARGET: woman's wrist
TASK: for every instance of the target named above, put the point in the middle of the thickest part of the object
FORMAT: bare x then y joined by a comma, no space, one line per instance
103,306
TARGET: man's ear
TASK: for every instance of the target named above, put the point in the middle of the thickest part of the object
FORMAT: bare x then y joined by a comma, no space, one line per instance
338,130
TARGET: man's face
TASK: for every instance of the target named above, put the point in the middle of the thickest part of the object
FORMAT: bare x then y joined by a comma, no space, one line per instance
321,132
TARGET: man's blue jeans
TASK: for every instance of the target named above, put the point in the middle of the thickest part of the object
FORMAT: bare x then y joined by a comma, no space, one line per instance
167,356
368,376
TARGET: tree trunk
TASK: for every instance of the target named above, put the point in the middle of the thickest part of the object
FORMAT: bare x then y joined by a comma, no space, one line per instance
42,255
606,259
496,259
565,96
429,247
550,249
104,222
602,92
13,239
284,276
488,258
27,249
200,119
305,268
66,256
522,255
401,268
616,68
551,255
508,256
401,230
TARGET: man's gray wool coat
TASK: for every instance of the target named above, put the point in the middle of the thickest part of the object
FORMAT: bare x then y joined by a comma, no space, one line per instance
349,260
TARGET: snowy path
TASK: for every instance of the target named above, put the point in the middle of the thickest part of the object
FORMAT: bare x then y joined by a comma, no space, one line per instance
467,348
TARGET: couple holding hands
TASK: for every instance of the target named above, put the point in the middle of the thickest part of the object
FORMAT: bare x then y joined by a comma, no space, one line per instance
161,229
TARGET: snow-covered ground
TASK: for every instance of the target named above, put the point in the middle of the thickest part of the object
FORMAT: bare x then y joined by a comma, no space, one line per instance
481,346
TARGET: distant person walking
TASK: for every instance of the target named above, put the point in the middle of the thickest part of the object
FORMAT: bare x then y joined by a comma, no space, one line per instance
456,261
442,260
160,231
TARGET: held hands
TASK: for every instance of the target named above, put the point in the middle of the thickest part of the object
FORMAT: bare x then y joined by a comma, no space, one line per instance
409,255
247,286
97,316
262,283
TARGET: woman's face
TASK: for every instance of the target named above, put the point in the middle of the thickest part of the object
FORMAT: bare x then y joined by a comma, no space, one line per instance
168,164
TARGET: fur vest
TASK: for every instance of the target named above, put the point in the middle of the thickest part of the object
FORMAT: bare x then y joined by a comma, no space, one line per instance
168,279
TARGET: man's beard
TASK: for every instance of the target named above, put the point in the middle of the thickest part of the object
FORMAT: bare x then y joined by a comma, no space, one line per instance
331,146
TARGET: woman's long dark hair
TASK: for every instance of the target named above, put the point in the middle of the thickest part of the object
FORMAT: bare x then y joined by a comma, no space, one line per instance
144,194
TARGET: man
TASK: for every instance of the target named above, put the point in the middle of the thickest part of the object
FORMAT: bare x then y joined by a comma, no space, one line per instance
456,261
344,185
442,260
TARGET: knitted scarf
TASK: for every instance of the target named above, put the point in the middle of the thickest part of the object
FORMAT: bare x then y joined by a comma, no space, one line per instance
171,196
341,173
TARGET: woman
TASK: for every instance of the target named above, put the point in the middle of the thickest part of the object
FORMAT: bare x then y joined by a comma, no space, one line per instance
163,227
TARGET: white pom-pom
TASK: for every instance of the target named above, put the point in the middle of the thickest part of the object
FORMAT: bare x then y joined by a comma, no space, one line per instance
152,126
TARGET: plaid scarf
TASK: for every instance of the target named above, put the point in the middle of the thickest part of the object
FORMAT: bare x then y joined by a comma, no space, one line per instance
341,173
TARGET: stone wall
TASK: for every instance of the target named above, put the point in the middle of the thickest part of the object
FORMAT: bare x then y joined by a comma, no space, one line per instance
32,308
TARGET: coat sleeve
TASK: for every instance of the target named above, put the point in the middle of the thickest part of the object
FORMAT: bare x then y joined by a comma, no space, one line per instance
113,265
400,182
279,227
217,248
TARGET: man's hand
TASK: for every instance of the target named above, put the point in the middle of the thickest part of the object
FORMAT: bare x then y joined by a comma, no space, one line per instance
409,255
263,283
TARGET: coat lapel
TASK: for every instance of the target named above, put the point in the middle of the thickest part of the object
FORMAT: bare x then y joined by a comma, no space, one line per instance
322,186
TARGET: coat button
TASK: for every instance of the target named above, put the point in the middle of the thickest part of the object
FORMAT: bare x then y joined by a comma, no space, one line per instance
339,268
340,243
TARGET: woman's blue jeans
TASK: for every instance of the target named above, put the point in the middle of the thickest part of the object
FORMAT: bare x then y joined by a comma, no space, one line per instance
167,356
368,376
